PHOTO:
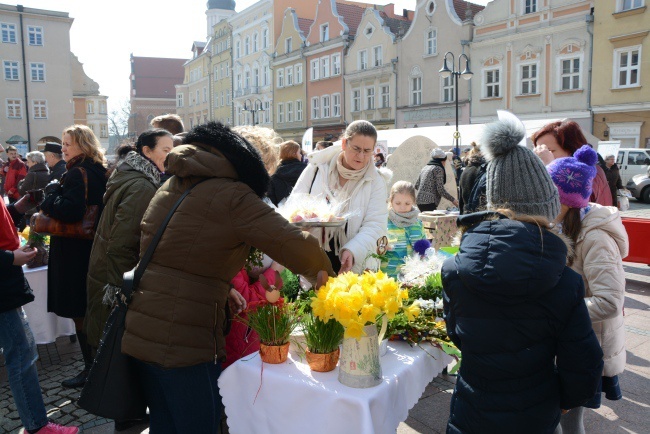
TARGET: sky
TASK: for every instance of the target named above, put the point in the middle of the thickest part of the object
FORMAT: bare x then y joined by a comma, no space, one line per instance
106,32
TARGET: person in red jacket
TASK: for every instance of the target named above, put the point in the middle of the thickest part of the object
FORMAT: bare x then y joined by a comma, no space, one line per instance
14,171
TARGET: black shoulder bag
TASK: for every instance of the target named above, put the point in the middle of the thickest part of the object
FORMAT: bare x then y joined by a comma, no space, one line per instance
113,389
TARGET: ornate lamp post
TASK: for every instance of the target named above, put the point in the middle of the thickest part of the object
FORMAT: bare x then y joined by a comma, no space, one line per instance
253,108
445,72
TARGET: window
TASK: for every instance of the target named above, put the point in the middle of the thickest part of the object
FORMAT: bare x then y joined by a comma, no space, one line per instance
11,70
336,105
14,109
267,112
238,80
102,107
626,5
299,110
196,100
227,69
217,73
40,108
324,32
416,90
237,50
492,83
289,112
35,35
179,100
280,113
280,77
626,72
363,59
256,77
266,73
8,33
570,74
90,107
431,41
222,99
325,106
336,64
103,131
356,100
637,158
288,46
448,89
378,56
228,99
298,74
385,96
289,74
529,79
37,71
370,98
205,94
255,43
247,79
530,6
325,67
247,46
315,69
315,110
265,38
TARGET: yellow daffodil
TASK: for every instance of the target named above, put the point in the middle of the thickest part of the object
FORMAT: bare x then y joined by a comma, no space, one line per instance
412,311
354,330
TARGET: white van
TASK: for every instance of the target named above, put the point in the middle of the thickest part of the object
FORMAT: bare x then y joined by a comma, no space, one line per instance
632,161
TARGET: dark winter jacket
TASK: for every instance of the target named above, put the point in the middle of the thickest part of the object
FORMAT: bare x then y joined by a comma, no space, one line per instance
517,314
14,289
614,180
468,179
177,315
68,266
284,178
116,248
478,196
37,178
57,171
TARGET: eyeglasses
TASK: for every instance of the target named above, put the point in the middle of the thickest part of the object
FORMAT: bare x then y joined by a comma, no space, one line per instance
357,150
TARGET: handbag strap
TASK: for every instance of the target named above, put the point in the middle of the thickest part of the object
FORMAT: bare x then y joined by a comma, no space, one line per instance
85,178
142,265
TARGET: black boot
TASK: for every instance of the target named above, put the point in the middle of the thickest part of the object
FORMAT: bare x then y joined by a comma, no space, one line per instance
80,379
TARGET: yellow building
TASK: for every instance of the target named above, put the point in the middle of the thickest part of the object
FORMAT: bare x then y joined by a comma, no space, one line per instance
221,73
289,87
621,72
193,96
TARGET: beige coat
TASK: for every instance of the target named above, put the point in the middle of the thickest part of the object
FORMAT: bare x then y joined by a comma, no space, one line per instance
600,247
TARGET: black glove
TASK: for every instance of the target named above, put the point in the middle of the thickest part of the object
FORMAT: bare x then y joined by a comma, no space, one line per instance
16,216
53,187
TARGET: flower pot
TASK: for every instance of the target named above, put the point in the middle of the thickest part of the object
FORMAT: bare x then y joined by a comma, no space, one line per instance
360,367
322,362
274,354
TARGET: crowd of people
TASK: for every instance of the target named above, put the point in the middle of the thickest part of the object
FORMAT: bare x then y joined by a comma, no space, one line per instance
538,347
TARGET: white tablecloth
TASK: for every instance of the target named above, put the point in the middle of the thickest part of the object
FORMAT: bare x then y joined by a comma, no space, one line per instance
292,399
45,326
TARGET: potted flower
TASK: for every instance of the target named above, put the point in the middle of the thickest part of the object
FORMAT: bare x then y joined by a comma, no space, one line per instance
357,302
323,339
274,324
39,242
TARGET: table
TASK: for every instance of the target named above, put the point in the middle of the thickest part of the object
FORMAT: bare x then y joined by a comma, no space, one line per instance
292,399
45,325
440,229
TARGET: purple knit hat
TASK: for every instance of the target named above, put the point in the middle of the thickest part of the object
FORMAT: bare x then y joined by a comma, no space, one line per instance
574,176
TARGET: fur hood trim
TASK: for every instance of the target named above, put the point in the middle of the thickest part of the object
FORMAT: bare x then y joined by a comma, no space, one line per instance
143,165
501,137
238,151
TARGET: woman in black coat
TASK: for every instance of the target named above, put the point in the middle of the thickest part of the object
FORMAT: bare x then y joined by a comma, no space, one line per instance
287,173
37,177
613,176
69,257
469,176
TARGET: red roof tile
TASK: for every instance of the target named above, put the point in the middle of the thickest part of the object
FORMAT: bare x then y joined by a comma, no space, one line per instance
304,24
155,77
461,9
351,16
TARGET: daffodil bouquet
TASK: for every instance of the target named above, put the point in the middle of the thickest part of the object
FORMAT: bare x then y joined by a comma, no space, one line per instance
358,300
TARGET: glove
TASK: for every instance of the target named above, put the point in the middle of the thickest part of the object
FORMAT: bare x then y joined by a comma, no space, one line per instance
36,196
53,187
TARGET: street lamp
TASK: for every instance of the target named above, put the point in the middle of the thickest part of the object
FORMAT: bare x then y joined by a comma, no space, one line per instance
252,109
445,72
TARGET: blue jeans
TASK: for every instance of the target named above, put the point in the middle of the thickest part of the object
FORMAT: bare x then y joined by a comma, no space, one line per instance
183,400
20,355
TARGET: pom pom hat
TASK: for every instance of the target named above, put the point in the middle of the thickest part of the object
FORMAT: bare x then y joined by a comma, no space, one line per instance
574,176
516,177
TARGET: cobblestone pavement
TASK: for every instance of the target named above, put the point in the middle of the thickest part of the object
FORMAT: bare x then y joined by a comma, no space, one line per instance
62,360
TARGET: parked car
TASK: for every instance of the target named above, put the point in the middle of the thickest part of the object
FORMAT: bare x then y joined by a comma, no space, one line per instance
639,186
631,162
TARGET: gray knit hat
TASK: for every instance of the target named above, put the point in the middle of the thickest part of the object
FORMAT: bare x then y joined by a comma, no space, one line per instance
516,177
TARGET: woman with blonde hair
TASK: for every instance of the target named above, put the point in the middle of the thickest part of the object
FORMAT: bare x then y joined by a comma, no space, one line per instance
266,141
287,173
83,184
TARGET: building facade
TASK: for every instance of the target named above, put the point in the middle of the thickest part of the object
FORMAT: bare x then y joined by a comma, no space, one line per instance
532,58
35,89
290,88
153,92
620,94
193,96
371,68
89,105
253,44
221,73
424,97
